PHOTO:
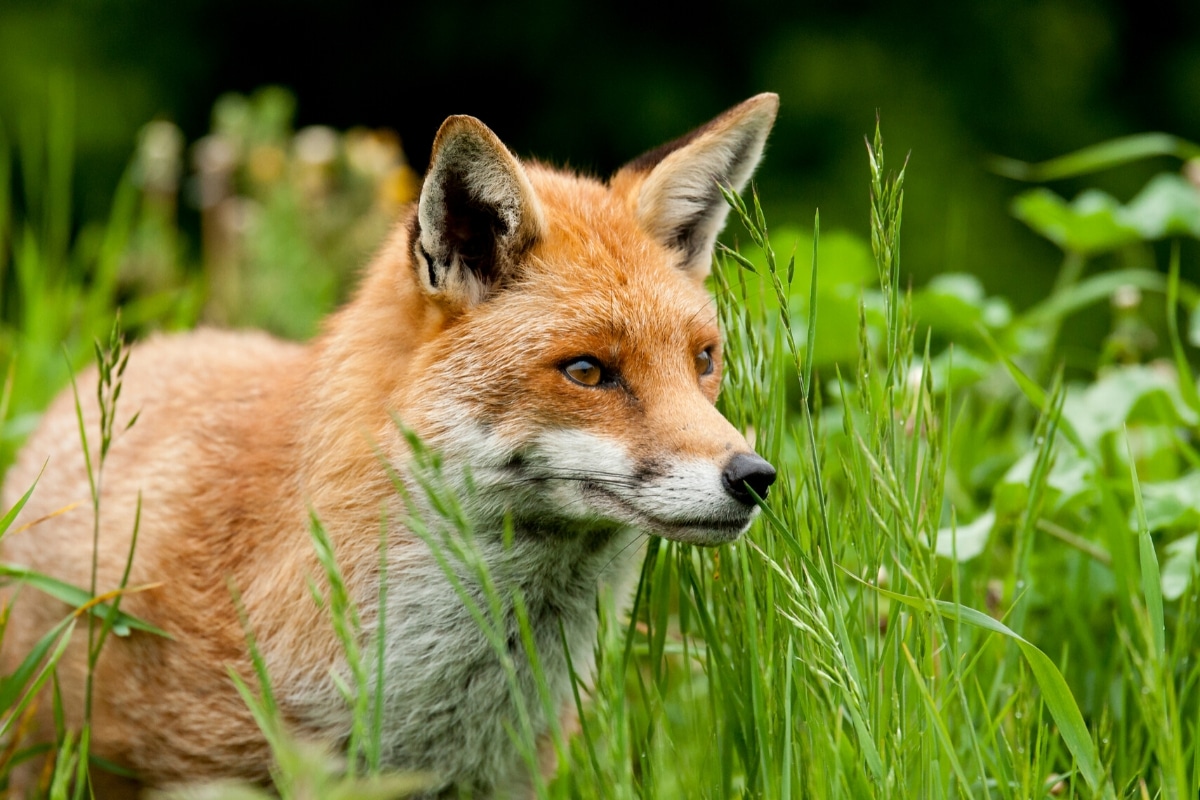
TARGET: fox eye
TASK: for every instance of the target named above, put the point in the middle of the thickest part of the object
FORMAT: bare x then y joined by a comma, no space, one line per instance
584,371
704,362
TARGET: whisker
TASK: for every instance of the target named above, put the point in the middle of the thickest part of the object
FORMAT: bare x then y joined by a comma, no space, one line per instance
704,306
551,471
628,484
639,535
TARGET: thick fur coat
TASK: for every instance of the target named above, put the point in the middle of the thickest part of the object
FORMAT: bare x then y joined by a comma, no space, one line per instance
547,335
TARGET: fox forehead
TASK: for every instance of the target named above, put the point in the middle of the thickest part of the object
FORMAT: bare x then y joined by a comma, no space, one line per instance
596,272
595,283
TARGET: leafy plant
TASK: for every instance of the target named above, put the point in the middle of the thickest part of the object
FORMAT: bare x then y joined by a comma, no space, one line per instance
974,577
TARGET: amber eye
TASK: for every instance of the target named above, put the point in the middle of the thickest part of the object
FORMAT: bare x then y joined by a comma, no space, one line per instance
704,362
584,371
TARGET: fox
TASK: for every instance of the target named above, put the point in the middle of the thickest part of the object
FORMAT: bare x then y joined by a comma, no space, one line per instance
547,336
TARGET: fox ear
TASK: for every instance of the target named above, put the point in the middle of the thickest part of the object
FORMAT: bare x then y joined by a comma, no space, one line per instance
476,216
674,188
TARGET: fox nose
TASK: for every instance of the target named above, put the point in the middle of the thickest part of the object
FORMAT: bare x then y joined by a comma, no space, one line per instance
746,471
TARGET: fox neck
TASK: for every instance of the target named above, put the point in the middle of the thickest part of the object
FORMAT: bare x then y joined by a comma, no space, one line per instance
451,632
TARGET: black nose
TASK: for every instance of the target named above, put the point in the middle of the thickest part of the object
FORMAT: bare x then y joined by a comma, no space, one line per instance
745,472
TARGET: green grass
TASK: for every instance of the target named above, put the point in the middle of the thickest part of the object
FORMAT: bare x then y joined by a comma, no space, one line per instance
975,576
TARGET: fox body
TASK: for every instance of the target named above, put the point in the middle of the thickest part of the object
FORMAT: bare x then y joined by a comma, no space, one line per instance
547,335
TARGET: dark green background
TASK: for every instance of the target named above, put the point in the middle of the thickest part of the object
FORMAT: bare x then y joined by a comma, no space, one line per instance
593,85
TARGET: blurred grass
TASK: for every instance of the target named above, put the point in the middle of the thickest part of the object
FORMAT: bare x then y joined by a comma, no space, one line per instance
975,576
285,220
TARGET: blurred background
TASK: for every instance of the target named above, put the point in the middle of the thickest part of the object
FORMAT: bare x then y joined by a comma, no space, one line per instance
237,162
592,85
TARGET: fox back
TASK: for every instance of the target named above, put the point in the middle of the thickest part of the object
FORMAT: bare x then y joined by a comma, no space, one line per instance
546,336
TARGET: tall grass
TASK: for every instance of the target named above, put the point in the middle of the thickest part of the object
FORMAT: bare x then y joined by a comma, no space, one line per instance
978,586
844,649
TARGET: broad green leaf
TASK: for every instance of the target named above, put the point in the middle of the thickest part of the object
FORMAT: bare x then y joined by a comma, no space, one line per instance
1030,388
1168,206
845,259
1156,448
1172,504
1125,395
958,366
1178,568
1093,223
1070,484
954,304
967,541
846,266
838,313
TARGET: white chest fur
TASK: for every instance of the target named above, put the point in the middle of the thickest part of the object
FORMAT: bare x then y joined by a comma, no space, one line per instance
458,681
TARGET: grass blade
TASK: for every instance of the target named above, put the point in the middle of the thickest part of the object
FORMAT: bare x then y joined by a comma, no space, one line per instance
11,686
1187,381
1055,692
80,599
1151,577
7,520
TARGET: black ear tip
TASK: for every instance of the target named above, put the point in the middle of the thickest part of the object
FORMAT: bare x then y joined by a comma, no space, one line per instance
747,475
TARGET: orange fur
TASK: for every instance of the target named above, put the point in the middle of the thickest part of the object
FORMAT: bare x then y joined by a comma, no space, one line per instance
240,436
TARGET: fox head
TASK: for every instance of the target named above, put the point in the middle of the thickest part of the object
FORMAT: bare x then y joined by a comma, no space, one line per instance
574,359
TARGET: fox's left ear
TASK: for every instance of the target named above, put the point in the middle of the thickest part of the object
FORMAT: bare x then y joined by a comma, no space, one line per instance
673,189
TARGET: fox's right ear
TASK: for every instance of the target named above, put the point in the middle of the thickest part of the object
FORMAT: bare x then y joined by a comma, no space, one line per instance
476,216
673,189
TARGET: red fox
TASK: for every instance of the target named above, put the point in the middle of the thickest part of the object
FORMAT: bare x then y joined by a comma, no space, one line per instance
547,335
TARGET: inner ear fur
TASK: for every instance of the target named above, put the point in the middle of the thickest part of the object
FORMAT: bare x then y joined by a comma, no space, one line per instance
673,188
476,215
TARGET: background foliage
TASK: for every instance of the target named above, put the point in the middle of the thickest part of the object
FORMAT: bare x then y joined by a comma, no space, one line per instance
976,576
593,85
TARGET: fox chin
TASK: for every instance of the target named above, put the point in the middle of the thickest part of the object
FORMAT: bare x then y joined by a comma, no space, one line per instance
547,335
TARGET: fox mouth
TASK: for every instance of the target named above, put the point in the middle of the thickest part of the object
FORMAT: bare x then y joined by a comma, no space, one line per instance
584,480
696,530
